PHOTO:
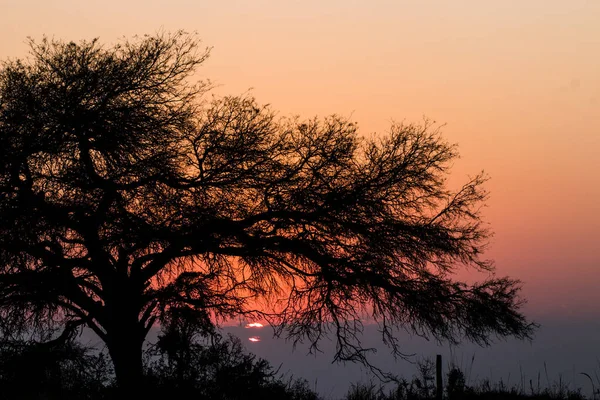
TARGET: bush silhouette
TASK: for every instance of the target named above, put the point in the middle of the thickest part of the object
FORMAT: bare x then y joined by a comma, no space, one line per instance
69,370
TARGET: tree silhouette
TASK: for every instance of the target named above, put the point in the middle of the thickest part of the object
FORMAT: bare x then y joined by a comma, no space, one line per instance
124,193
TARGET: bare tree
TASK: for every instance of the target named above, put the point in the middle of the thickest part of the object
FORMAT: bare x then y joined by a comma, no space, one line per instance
123,193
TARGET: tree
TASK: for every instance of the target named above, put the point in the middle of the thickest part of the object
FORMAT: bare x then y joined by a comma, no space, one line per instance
124,193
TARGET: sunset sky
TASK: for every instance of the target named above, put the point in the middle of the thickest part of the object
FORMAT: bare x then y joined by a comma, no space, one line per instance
516,83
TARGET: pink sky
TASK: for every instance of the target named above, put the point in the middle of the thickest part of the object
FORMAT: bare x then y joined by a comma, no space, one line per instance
517,84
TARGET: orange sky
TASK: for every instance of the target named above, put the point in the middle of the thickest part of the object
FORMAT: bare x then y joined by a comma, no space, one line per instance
516,82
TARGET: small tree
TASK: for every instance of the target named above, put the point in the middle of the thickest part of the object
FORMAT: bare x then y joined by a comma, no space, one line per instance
456,384
209,366
123,194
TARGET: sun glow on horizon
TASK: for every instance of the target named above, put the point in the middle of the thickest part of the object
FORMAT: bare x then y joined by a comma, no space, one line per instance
254,325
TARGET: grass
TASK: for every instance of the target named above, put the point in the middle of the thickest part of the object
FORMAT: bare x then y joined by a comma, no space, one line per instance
457,387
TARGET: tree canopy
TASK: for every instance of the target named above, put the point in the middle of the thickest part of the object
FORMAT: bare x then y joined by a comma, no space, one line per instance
126,192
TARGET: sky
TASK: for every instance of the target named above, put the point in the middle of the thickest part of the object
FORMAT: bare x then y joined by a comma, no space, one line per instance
559,352
515,83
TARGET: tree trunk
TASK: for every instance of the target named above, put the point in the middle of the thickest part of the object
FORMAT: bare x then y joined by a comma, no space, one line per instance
125,349
125,338
125,335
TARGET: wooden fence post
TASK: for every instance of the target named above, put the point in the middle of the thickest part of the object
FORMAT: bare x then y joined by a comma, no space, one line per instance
438,377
